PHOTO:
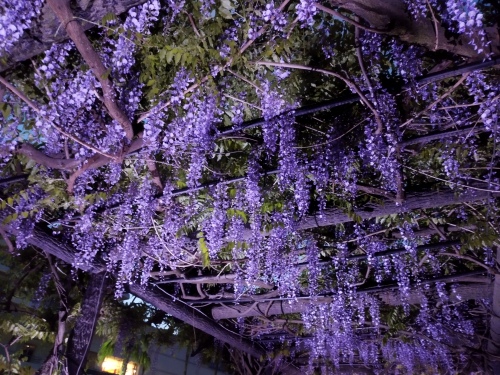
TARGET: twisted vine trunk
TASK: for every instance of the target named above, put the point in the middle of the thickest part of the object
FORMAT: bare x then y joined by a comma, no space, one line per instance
81,335
493,348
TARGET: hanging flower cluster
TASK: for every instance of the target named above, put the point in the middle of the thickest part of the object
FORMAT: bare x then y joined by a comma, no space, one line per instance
16,16
306,10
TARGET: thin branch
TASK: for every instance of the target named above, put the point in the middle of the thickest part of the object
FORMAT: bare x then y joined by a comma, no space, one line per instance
224,279
61,291
441,233
205,79
359,54
490,270
244,79
191,21
436,25
334,139
76,32
33,106
440,135
98,161
242,101
348,82
450,182
438,100
376,191
121,35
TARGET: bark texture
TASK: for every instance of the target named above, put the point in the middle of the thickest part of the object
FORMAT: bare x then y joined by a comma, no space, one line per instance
82,333
415,201
391,17
493,347
63,251
195,318
481,288
47,30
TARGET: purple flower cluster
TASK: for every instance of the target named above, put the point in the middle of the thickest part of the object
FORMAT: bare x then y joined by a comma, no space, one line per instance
53,62
182,80
379,156
487,95
470,21
462,13
236,221
41,291
465,12
451,166
28,212
407,61
281,127
175,7
420,8
139,20
207,8
314,268
275,16
153,126
253,194
228,38
88,238
292,173
193,132
272,104
345,175
214,226
278,260
145,206
16,16
306,10
379,151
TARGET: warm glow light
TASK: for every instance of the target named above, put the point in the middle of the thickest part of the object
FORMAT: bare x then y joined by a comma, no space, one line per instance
113,365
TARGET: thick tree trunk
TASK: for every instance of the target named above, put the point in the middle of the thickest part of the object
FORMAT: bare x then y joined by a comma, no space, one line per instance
493,347
155,297
82,333
391,17
51,364
415,201
194,318
47,30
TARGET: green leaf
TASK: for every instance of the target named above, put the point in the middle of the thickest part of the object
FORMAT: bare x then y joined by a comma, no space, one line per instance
177,57
205,258
107,18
